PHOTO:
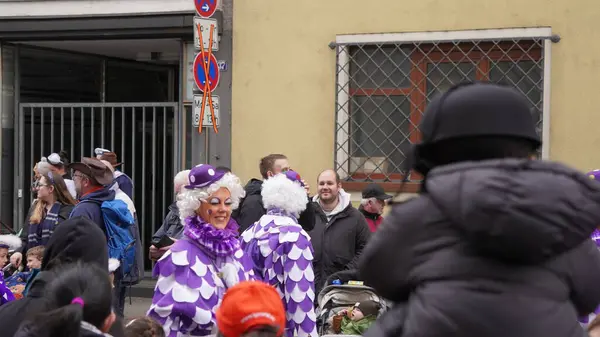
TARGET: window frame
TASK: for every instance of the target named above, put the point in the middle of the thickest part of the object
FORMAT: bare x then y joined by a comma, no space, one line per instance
417,91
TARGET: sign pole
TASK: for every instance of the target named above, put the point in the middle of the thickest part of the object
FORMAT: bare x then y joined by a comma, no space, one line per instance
205,10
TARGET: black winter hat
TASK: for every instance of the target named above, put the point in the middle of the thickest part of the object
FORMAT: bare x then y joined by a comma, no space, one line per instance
478,109
76,239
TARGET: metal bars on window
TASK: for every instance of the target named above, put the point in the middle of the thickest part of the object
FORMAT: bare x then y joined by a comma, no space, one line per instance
143,135
384,85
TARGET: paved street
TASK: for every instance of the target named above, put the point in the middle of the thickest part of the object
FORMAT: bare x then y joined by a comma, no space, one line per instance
138,308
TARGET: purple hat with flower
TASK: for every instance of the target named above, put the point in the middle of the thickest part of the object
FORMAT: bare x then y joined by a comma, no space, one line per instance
294,176
202,176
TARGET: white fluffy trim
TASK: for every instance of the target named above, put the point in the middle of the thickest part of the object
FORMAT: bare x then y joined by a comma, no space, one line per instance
12,241
113,265
280,192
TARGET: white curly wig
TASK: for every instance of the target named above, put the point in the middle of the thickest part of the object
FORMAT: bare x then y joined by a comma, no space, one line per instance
181,179
280,192
43,167
188,201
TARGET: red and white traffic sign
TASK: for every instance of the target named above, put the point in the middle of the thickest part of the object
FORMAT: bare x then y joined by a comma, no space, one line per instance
206,8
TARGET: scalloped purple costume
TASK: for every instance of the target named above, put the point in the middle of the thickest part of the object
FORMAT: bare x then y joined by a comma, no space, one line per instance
194,275
282,256
5,294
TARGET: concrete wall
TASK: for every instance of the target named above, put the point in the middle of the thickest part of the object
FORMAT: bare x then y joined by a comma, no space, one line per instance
284,74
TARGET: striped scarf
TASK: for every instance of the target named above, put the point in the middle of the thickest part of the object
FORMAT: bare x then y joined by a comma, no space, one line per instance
39,234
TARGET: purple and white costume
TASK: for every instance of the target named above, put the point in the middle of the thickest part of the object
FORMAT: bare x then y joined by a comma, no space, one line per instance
5,294
8,242
195,273
283,255
193,277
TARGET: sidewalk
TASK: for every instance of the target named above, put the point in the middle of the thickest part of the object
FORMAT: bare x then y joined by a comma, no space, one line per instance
138,308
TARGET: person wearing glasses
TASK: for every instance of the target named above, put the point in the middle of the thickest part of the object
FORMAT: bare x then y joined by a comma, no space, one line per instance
53,205
59,163
39,169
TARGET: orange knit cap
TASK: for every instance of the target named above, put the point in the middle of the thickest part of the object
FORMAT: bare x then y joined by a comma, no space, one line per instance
250,304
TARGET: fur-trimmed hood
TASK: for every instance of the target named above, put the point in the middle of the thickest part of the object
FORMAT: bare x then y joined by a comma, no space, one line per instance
9,241
279,192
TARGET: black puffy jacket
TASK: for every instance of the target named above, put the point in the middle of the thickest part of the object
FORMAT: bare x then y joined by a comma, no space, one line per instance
496,248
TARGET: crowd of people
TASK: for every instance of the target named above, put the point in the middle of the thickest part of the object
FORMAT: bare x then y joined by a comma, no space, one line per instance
496,243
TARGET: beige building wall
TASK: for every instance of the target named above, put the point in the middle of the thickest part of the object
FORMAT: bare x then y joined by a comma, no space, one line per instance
284,71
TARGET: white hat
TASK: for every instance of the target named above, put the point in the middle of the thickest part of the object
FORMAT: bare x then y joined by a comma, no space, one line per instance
100,151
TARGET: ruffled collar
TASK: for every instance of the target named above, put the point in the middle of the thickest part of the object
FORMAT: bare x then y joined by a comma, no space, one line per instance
221,242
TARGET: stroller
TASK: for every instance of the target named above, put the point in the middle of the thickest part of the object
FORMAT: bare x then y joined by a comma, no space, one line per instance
337,297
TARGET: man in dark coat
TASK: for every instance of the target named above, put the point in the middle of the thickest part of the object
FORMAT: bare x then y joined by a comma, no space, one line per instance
92,180
76,239
341,231
172,226
251,208
497,244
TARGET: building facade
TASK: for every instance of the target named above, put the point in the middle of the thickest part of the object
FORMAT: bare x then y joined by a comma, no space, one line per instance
116,74
342,83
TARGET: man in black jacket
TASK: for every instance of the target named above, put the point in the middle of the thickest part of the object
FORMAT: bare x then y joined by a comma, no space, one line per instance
496,244
340,233
252,208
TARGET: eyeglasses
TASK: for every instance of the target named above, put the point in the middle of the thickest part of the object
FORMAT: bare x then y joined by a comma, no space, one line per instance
80,176
38,184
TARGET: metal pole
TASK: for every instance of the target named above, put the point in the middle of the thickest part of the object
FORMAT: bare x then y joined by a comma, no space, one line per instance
143,133
17,216
154,160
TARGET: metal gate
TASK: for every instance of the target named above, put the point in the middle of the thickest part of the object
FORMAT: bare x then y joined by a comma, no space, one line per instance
145,137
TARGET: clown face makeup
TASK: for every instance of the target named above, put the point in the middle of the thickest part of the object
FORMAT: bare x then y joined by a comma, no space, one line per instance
216,209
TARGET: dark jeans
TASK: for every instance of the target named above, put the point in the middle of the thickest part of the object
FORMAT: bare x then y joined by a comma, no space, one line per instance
119,292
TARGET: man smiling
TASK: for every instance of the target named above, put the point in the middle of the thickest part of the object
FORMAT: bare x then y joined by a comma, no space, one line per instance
341,231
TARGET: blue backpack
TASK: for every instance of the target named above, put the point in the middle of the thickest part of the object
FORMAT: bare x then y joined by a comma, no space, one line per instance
121,243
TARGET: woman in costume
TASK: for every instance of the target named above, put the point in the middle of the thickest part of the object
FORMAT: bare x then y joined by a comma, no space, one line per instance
195,273
7,243
282,252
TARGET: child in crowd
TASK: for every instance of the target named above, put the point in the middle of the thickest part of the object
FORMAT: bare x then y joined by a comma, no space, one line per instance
34,257
251,309
17,281
7,243
78,300
144,327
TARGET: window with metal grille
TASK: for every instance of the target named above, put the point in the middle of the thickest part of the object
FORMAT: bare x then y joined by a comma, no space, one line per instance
383,89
